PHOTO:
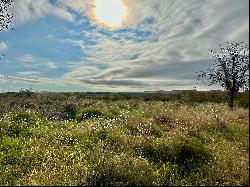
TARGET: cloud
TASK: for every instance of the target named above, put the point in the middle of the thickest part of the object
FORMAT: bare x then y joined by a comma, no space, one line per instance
163,44
160,45
22,79
29,74
3,46
130,84
27,58
78,6
77,43
31,62
241,34
80,71
28,10
51,65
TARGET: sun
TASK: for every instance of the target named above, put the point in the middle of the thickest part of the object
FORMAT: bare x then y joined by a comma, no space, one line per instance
110,13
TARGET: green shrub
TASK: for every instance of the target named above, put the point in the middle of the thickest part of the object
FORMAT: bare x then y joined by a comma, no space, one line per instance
190,155
156,131
187,153
70,111
147,99
243,102
120,170
151,153
91,113
20,123
16,160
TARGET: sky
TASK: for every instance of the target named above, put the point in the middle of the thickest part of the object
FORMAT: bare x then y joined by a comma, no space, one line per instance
72,46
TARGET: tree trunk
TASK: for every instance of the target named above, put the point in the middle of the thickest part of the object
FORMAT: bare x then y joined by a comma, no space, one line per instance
231,99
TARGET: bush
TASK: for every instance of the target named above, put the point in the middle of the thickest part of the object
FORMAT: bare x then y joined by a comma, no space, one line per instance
120,170
147,99
187,153
151,153
20,123
70,111
91,113
242,99
190,155
16,160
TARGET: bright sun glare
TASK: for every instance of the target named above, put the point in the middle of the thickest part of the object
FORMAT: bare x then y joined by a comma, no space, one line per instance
111,13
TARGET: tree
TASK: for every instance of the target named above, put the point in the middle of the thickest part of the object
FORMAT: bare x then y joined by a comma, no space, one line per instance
230,69
5,18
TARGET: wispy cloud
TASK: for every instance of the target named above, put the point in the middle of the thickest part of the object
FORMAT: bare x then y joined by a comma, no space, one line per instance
3,46
29,74
28,10
31,62
77,43
180,34
160,45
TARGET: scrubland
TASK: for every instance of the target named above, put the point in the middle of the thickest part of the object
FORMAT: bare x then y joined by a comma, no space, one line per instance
84,141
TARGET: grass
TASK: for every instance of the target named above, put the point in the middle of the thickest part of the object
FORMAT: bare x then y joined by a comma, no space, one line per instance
125,142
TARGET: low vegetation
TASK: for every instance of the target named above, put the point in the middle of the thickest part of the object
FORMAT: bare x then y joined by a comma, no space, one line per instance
74,139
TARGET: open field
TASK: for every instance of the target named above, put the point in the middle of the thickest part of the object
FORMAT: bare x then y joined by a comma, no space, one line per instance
119,139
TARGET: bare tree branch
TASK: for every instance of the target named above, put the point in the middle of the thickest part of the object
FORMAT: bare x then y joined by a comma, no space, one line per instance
5,16
230,69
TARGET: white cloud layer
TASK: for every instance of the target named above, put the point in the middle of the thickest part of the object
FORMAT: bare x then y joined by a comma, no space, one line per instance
163,44
182,34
